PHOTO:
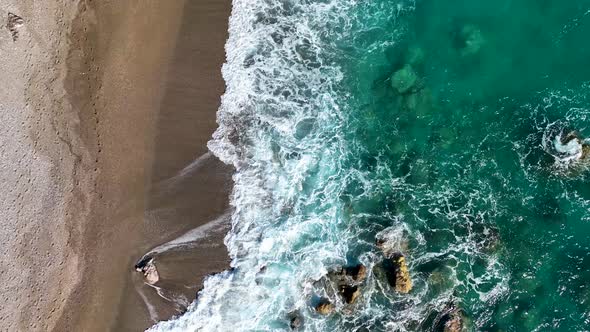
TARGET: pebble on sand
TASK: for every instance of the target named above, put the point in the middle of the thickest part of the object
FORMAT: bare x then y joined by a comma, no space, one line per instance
147,266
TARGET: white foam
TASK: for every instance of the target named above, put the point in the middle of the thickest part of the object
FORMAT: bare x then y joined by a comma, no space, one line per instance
276,77
192,236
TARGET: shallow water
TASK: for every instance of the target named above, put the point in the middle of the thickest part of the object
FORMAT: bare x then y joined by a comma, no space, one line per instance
432,122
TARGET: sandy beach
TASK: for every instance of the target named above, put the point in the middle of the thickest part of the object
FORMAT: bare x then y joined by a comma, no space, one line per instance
106,108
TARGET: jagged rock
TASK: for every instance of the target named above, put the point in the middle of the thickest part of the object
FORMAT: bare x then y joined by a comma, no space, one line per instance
325,307
397,273
346,281
147,266
14,23
358,272
473,40
404,79
349,293
403,282
585,151
568,148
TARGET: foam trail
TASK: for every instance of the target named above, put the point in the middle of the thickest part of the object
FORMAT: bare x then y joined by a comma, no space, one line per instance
191,236
168,184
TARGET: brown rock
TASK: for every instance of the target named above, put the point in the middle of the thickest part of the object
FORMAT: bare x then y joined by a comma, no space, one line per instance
358,273
350,293
451,319
397,273
455,324
325,307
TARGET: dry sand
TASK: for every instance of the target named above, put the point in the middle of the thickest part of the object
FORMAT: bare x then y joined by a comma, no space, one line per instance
103,104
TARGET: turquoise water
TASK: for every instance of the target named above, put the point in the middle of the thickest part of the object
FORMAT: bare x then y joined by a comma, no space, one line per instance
436,124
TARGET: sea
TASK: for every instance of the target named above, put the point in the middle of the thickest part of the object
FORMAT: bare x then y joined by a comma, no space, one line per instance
456,130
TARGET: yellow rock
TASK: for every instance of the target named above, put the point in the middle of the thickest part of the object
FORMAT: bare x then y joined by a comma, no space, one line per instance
403,282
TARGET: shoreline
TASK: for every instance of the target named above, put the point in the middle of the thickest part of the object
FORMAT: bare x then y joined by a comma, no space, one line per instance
102,114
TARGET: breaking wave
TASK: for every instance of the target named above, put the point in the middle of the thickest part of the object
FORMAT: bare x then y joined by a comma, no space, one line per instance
354,133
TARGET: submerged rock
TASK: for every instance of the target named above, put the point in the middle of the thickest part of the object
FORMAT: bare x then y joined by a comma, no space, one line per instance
325,307
452,319
440,280
472,40
148,268
567,147
392,241
414,55
295,320
14,23
404,79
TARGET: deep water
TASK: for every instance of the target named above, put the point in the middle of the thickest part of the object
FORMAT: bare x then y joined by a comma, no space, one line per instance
433,123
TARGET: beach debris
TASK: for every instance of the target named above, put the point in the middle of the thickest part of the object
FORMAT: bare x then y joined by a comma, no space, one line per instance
147,266
472,40
451,319
404,80
15,22
324,307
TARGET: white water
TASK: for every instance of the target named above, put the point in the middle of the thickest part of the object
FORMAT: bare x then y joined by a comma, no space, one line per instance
278,126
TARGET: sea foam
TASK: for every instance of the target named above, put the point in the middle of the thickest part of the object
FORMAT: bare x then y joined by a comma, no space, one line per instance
279,126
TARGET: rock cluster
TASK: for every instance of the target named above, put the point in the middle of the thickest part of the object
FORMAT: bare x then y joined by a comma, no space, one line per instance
343,282
347,281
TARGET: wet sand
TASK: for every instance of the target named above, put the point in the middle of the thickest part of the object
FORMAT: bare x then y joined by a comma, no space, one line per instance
190,187
108,106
